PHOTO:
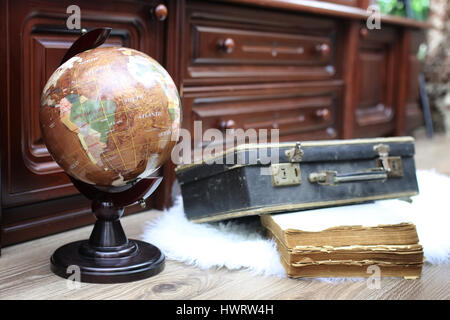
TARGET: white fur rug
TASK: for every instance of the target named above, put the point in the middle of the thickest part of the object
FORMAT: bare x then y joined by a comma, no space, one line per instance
240,244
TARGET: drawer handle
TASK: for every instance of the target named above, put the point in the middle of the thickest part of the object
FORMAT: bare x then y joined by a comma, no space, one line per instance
227,124
323,49
161,12
323,114
226,45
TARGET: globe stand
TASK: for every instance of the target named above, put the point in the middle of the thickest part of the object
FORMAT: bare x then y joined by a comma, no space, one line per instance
109,256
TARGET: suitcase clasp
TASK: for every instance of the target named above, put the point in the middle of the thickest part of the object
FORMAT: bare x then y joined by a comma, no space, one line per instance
392,165
285,174
295,154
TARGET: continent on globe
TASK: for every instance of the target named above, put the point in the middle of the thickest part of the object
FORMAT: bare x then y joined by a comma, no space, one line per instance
110,116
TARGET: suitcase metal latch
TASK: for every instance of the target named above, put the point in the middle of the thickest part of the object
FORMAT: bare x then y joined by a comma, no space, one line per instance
285,174
295,154
392,165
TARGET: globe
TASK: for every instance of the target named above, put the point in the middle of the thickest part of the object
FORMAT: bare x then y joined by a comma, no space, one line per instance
110,116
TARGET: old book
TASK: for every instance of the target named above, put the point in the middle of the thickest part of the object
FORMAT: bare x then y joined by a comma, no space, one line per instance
345,241
403,254
363,224
351,269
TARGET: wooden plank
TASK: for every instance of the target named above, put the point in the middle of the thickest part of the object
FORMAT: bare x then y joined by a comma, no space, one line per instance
4,98
402,81
331,9
172,62
349,74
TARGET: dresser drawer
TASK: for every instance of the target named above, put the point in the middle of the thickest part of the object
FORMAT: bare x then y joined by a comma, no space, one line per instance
299,113
289,114
233,46
242,46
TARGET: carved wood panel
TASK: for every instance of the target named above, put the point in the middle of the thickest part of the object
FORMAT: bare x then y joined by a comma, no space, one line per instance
38,38
375,83
46,51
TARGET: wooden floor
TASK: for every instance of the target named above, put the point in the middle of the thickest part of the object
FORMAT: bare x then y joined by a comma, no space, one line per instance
25,272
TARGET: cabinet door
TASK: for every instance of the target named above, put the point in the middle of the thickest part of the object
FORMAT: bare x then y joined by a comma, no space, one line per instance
38,38
375,83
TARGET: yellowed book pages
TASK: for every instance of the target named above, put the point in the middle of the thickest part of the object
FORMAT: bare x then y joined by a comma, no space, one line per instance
351,269
349,225
402,254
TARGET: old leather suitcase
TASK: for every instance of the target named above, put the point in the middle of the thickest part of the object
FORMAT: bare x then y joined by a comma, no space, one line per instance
308,175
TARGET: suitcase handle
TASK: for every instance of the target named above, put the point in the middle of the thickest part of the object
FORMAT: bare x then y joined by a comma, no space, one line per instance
388,167
331,178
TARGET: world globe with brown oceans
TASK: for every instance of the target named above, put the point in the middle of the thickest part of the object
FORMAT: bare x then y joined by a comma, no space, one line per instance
110,116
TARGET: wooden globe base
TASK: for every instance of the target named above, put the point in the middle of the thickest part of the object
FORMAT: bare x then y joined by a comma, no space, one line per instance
145,262
109,256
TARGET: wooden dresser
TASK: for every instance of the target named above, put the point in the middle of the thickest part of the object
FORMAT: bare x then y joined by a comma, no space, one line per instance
309,68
